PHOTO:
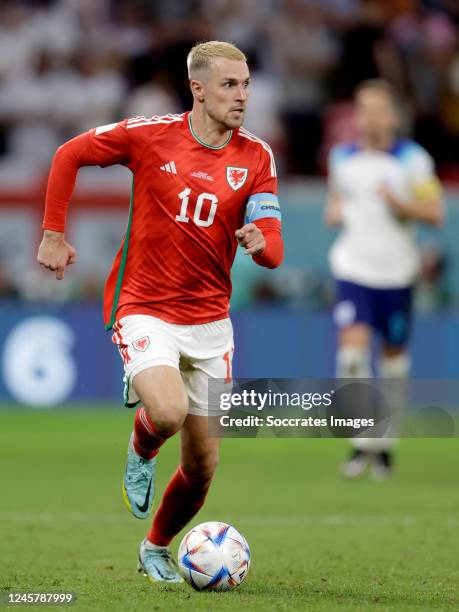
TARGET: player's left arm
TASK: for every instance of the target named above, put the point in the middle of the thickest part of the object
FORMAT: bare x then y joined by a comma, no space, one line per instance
425,205
261,234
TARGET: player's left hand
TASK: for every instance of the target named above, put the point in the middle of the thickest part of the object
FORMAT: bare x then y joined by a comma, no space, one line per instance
251,237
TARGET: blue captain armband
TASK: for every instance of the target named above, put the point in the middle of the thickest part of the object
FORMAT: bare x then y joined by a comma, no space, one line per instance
262,206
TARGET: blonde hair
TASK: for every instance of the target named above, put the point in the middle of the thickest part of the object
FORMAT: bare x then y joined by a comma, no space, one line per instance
202,54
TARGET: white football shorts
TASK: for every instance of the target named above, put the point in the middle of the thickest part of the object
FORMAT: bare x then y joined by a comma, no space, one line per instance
199,352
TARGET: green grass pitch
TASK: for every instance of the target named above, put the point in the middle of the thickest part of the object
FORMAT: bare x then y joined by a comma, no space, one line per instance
318,543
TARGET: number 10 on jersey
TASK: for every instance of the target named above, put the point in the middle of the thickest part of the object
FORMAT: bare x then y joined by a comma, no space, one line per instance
184,197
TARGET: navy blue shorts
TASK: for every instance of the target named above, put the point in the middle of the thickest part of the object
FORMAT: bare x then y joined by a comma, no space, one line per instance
387,311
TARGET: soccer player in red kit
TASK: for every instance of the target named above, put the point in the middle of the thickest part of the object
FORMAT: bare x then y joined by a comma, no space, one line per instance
201,185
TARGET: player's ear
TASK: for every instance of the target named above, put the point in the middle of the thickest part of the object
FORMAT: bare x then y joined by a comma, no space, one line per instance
197,90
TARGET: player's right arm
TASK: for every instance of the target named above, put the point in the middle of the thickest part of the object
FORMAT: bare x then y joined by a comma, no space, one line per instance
333,210
333,214
103,146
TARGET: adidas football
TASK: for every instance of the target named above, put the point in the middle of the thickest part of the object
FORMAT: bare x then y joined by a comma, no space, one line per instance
214,556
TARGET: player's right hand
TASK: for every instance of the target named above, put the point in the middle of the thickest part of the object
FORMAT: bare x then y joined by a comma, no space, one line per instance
55,253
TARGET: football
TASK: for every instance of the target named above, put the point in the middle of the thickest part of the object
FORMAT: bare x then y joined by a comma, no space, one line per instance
214,556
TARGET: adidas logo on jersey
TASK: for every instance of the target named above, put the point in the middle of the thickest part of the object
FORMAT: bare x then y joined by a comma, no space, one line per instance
170,167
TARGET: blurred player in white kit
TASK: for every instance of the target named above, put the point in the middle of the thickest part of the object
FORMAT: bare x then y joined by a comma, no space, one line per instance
378,187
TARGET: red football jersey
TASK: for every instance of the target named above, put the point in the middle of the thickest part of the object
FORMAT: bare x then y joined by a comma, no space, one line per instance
187,201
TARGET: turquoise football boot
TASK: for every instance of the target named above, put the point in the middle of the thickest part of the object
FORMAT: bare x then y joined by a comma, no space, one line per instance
158,565
138,484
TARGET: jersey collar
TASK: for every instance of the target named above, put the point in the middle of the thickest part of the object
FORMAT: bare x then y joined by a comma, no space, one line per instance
201,142
395,148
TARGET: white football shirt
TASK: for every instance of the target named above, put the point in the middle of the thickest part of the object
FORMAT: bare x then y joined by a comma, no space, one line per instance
374,247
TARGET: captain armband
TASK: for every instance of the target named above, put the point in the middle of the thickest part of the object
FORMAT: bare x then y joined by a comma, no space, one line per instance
427,190
262,206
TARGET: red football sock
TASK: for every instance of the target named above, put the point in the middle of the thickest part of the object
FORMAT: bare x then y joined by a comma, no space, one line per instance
182,499
146,439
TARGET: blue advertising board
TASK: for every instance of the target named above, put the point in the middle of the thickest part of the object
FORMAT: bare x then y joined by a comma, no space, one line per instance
54,355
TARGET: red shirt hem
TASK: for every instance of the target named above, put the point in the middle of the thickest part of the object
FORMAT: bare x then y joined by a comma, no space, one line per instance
124,311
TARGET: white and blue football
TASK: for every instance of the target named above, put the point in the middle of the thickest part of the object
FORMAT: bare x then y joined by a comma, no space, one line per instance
214,556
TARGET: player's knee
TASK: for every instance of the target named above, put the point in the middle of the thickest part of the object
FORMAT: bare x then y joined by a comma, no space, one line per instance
202,466
167,417
169,423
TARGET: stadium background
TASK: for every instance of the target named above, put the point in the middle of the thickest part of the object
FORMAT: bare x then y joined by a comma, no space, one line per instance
69,65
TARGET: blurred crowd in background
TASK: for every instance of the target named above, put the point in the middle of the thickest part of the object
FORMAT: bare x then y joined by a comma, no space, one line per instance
69,65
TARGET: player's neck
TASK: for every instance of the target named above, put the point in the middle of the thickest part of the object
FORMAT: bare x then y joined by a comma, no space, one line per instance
207,131
381,142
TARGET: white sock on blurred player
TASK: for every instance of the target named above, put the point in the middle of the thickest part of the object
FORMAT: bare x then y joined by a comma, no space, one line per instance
353,362
391,368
